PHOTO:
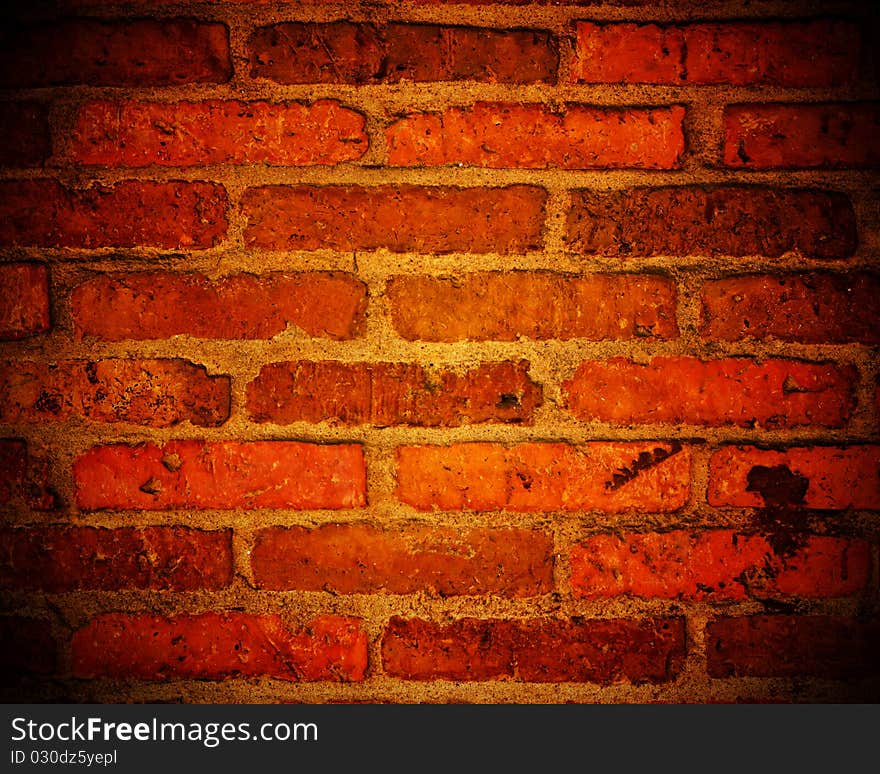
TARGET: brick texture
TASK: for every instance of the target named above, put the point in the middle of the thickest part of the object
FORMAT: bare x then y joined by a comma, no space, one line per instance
718,564
461,351
810,476
532,136
400,218
551,651
734,391
137,134
797,53
609,477
158,305
43,213
392,394
811,308
24,300
142,52
58,559
343,52
503,306
158,393
228,474
359,559
801,136
731,220
217,646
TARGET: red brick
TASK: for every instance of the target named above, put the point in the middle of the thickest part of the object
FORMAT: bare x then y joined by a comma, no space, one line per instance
157,393
362,559
796,53
24,300
801,136
609,477
222,475
140,52
790,646
402,218
731,220
815,52
538,650
158,305
810,308
27,645
43,213
386,394
628,53
25,138
343,52
23,478
717,565
60,559
770,394
504,306
137,134
217,646
833,478
500,135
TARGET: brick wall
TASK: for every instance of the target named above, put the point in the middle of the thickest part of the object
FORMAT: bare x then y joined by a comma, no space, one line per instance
440,352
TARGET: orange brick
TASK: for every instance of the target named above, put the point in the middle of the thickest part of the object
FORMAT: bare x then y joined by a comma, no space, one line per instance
222,475
610,477
392,394
732,391
158,305
717,565
138,134
823,477
402,218
503,135
361,559
218,646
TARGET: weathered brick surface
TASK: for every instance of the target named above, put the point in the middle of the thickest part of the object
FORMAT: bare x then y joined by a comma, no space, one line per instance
345,52
23,479
392,394
43,213
361,559
811,308
545,651
732,391
718,565
137,134
534,136
222,475
759,136
504,306
732,220
402,218
157,393
217,646
795,53
25,138
790,646
610,477
141,52
823,477
24,300
59,559
534,335
158,305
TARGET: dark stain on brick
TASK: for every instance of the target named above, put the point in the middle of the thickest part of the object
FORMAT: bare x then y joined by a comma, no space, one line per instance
645,461
782,519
